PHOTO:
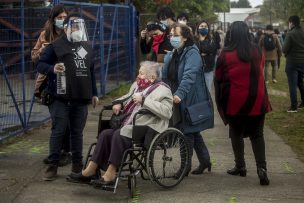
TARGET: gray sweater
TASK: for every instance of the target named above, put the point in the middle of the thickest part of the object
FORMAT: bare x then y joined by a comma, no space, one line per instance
293,47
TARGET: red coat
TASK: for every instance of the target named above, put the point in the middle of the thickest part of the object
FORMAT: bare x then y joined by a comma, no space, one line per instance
239,86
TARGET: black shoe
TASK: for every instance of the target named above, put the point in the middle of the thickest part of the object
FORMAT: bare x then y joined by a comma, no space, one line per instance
262,173
200,169
77,167
237,171
98,183
301,106
50,173
79,178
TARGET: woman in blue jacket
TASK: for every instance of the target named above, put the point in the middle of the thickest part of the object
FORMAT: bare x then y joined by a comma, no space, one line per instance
184,73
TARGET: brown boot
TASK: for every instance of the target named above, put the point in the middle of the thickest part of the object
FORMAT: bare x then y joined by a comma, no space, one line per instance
50,173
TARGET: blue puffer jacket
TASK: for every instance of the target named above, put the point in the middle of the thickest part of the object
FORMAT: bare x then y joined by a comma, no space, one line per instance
191,89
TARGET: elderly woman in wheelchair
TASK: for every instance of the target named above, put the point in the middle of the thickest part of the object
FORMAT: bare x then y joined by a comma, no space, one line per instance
148,93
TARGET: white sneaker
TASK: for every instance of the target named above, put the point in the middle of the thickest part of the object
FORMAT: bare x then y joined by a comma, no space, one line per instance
292,110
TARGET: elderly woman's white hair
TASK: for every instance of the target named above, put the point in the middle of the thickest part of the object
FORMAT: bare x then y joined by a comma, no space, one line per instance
152,68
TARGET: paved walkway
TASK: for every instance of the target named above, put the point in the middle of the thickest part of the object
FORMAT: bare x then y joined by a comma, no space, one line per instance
21,171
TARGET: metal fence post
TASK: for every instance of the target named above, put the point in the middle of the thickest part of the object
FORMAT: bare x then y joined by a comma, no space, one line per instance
23,64
110,46
101,44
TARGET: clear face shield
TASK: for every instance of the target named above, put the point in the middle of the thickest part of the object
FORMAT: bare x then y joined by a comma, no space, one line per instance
76,30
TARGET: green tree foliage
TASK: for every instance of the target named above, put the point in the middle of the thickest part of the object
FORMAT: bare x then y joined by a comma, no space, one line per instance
240,4
280,10
197,9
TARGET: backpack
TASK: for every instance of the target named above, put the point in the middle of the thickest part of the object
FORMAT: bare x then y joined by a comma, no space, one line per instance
269,42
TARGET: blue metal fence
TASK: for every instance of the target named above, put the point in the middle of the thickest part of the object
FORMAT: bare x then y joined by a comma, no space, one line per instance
111,30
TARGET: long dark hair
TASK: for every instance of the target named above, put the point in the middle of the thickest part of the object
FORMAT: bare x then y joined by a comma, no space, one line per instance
209,36
238,38
50,30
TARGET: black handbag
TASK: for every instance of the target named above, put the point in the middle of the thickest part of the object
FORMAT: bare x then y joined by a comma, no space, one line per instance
116,121
47,97
199,113
202,112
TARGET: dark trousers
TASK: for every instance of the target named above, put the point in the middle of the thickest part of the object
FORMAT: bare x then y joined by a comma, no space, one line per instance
195,141
244,126
66,145
63,114
294,74
110,148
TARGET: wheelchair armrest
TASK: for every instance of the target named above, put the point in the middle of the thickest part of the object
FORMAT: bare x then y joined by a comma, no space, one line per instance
142,111
107,107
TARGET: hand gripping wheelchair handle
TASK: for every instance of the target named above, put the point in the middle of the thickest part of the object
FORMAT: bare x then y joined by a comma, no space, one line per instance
142,112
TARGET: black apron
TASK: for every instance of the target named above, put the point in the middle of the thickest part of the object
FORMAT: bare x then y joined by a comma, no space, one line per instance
77,60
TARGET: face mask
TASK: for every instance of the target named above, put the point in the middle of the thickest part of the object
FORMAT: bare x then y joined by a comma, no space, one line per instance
59,24
165,22
203,31
176,42
143,83
182,22
76,36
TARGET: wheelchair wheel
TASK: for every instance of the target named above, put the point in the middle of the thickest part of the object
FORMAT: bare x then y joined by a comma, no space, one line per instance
132,185
167,158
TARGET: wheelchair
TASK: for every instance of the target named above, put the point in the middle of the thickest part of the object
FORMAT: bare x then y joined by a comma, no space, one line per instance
162,158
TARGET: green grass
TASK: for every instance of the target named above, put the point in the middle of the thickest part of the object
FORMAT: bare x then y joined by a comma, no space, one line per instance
109,97
289,126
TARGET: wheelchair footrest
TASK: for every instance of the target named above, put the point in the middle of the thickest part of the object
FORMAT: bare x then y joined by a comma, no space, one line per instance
108,188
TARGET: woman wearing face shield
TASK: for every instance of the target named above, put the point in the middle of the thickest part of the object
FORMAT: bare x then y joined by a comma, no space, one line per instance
52,30
183,72
72,55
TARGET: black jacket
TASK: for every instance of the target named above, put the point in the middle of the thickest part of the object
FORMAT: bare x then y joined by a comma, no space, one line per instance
146,48
46,66
209,48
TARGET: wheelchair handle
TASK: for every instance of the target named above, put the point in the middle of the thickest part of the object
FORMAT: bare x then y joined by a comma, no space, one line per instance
142,111
107,107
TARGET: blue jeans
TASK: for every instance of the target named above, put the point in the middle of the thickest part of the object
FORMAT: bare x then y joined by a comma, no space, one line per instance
63,114
209,79
294,74
195,141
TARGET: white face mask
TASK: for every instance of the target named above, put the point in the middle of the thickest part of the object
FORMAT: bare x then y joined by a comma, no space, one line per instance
59,24
182,22
76,36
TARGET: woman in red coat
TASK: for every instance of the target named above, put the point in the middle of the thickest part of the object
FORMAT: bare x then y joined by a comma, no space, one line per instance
241,97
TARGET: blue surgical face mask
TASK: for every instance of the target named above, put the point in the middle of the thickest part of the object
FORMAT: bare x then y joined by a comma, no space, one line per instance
176,42
203,31
59,24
